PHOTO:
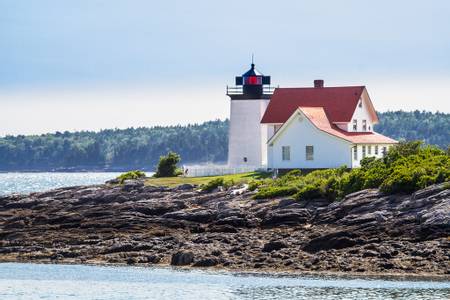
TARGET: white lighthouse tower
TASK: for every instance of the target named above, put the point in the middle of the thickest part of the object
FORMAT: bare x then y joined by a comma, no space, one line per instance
247,136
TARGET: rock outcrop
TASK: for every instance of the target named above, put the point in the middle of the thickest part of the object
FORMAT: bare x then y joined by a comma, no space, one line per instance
146,225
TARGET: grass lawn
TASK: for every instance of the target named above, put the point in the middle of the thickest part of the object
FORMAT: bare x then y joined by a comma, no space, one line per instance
175,181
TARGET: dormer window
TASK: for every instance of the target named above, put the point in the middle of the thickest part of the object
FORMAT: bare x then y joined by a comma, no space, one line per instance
364,125
360,104
355,125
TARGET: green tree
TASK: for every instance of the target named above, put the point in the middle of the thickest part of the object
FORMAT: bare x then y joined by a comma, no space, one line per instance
167,166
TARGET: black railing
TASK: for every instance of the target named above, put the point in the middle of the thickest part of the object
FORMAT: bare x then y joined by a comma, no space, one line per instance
238,90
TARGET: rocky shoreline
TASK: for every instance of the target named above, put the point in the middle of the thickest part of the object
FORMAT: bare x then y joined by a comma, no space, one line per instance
134,224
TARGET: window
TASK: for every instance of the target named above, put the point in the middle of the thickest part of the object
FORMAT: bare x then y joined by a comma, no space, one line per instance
369,150
364,125
384,151
309,152
360,103
245,159
355,125
376,150
253,80
286,152
363,151
355,153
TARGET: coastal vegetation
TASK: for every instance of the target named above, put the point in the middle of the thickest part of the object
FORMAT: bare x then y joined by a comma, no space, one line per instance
136,174
167,166
140,148
408,166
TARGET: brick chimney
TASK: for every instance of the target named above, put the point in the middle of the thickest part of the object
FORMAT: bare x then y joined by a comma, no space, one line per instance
318,83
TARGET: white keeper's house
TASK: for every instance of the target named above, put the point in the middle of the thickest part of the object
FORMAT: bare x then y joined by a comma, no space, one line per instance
306,128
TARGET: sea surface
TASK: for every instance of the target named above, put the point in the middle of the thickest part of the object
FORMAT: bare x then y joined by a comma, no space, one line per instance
38,281
39,182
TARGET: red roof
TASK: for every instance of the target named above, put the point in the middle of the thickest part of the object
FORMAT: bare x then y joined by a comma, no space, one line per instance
319,118
339,103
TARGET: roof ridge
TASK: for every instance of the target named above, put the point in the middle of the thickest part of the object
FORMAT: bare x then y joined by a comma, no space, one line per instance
325,87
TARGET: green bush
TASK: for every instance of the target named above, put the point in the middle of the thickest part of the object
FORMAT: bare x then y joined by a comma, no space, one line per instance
276,191
212,184
417,171
353,181
295,172
332,188
167,166
407,167
254,184
309,192
130,175
215,183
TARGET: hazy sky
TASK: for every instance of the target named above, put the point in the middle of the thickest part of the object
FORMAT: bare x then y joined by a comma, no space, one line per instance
86,64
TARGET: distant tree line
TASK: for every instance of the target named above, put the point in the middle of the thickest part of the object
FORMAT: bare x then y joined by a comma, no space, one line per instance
141,148
115,149
431,128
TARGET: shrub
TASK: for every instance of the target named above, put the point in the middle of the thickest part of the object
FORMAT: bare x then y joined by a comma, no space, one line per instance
352,182
375,172
254,184
167,166
212,184
275,191
417,171
295,172
402,149
332,190
130,175
309,192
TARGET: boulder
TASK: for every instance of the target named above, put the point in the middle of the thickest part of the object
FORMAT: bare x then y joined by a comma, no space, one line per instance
194,215
182,258
206,262
274,246
185,187
132,184
286,217
335,240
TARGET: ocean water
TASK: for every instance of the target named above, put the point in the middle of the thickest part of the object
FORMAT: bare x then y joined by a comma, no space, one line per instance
39,182
38,281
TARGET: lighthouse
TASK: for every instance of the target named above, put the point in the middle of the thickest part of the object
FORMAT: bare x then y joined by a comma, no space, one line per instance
247,136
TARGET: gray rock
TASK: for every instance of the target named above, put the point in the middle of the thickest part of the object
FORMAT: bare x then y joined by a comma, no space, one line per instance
206,262
182,258
185,187
274,246
287,217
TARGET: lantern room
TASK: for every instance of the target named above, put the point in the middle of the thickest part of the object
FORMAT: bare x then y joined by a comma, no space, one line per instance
251,85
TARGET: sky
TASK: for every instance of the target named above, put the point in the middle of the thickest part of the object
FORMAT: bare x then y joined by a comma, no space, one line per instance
97,64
